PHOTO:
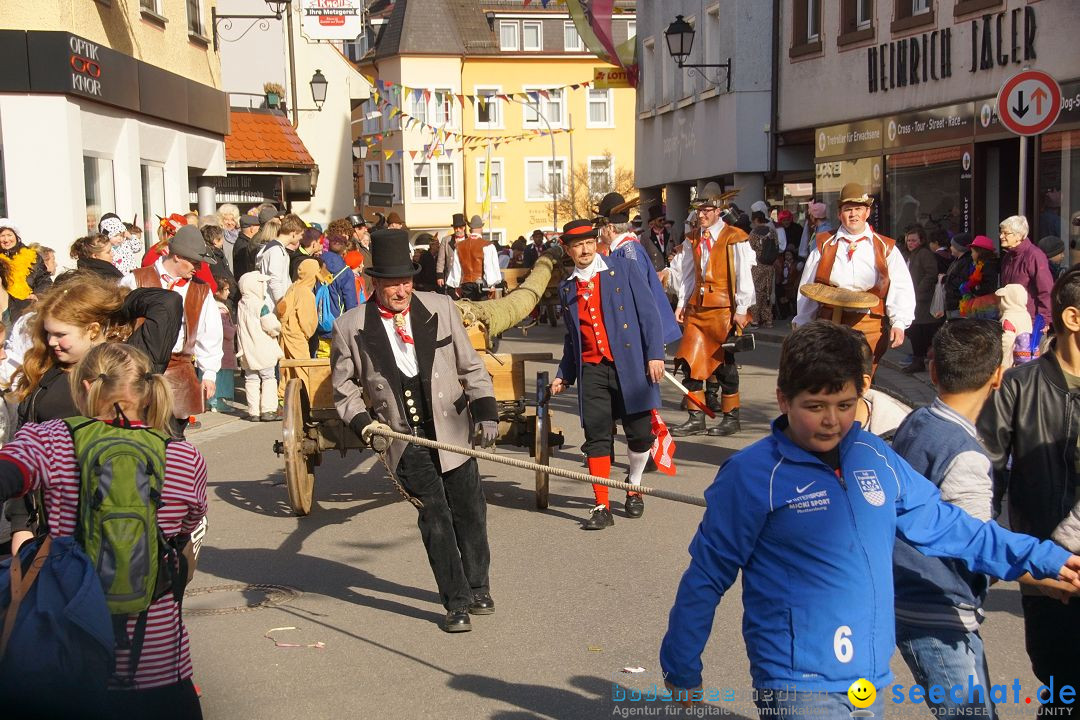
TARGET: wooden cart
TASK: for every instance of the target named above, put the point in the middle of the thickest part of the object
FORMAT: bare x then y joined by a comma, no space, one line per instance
311,425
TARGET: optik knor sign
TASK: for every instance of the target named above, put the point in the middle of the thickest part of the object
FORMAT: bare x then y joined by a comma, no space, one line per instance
331,19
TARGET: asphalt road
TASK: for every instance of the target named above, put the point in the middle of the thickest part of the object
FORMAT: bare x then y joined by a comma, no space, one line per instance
574,608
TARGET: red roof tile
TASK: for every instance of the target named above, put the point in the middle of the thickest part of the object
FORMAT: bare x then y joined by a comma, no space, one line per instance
264,139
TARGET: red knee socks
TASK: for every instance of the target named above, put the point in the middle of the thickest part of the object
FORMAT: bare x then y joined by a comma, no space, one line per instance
600,467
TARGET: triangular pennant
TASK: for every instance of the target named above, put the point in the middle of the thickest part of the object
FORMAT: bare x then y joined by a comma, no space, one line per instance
412,154
388,153
461,100
417,94
544,94
427,96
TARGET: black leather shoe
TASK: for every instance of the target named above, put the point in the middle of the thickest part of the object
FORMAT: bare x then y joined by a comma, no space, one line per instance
635,505
729,425
599,518
457,620
694,425
482,604
269,417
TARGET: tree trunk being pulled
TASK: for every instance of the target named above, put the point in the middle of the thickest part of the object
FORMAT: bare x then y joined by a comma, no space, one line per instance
494,317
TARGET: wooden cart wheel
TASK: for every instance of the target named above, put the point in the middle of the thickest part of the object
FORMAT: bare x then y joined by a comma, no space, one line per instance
299,468
542,436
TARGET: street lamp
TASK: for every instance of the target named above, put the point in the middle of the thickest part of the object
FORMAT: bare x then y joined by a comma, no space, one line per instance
318,89
490,15
680,39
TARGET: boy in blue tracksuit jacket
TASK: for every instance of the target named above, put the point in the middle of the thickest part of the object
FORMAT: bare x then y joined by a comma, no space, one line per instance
810,515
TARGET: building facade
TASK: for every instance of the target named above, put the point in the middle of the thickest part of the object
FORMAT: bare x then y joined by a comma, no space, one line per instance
467,80
105,107
254,54
710,124
899,95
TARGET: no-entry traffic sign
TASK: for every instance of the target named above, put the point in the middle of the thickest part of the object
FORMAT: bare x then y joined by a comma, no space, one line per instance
1029,102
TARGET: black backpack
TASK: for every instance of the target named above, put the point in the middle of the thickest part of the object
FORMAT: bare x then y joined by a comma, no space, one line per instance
770,249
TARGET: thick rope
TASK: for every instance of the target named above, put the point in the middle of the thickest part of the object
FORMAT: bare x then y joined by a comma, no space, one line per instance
383,430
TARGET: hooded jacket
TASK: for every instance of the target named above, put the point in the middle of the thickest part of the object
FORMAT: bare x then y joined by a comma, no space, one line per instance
815,547
1015,324
297,311
258,347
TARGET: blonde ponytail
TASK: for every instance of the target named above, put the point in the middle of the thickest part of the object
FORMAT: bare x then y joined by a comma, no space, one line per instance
113,373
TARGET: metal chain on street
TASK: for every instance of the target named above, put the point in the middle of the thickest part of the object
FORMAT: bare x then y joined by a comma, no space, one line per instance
384,431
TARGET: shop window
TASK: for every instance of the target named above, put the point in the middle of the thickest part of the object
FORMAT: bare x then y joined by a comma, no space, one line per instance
832,175
966,7
806,28
153,199
931,188
1059,191
856,22
910,14
100,189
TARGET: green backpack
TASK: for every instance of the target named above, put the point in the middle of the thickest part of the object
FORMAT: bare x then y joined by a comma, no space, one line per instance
122,470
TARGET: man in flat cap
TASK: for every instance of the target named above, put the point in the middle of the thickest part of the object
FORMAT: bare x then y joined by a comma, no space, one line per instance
716,290
857,258
404,359
199,343
474,267
244,251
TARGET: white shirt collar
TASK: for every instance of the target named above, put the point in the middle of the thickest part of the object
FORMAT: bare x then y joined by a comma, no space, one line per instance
844,234
715,228
586,274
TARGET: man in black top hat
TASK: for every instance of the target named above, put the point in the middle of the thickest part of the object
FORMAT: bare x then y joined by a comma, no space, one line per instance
419,374
448,250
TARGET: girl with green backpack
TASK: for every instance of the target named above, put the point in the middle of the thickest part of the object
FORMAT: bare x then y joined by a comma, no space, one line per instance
120,454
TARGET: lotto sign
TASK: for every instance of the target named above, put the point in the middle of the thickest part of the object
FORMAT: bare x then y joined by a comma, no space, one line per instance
1029,102
605,78
331,19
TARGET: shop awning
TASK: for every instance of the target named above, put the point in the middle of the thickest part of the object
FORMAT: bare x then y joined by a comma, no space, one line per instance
264,140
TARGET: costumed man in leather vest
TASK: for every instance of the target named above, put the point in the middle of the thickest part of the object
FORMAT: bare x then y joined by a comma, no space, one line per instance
857,258
199,343
716,291
613,350
616,237
475,264
448,250
407,354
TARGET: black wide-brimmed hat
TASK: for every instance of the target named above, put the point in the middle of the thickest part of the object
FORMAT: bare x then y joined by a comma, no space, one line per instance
613,207
390,255
577,230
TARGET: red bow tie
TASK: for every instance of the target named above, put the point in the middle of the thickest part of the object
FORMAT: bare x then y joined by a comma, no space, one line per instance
399,323
851,245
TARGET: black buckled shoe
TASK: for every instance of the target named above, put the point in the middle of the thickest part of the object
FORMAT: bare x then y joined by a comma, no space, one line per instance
599,518
456,620
694,425
635,505
482,604
729,425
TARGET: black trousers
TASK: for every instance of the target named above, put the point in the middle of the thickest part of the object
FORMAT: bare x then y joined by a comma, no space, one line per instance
922,335
172,702
1052,635
453,523
602,397
471,291
726,376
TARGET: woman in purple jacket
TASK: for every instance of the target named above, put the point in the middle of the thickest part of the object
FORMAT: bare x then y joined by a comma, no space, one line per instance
1023,263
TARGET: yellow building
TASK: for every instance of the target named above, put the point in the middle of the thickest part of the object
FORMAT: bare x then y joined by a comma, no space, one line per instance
111,106
526,60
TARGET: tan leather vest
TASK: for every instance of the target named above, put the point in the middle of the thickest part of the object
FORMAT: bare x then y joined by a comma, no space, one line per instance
470,252
716,286
828,247
193,301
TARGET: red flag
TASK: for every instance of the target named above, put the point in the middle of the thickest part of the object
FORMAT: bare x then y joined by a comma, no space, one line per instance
663,449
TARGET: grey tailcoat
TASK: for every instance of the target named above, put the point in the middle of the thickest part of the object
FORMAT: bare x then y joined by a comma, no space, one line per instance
456,383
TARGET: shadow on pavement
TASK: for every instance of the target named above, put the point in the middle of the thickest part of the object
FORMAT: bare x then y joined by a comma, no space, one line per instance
317,575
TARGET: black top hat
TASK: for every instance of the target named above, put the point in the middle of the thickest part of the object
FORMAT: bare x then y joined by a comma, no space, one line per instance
608,205
459,220
576,230
390,254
